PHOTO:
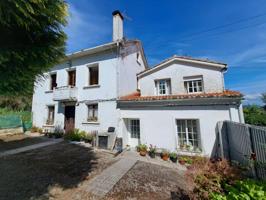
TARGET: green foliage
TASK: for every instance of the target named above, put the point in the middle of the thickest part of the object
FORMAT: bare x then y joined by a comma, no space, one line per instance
173,155
88,137
246,189
143,147
263,97
32,41
255,115
75,135
208,177
16,104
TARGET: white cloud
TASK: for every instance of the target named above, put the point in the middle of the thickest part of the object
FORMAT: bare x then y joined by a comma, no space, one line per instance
252,96
86,29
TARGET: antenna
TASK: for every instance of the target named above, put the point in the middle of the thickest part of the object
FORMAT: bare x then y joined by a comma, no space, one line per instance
126,16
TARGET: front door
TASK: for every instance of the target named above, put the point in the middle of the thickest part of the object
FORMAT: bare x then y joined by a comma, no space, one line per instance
69,117
134,132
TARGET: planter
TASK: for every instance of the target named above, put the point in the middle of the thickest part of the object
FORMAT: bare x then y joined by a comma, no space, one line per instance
152,155
142,153
174,160
182,162
165,157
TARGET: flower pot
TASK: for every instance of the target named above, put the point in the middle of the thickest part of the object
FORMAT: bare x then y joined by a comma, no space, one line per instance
152,155
165,157
142,153
174,160
182,162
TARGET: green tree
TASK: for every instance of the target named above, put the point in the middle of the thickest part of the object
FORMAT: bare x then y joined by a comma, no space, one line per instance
263,98
31,42
255,115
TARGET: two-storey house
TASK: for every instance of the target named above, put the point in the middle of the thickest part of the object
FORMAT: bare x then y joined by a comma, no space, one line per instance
174,105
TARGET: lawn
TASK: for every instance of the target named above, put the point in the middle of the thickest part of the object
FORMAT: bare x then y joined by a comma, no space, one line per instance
56,171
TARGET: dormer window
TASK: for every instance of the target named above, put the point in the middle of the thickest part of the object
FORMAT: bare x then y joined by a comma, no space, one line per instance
194,85
163,87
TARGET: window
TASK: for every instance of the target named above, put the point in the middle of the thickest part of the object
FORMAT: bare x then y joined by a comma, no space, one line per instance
50,118
163,87
53,83
94,75
93,113
187,131
194,86
72,78
134,128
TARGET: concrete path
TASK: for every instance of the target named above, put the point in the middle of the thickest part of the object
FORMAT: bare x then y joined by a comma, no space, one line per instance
100,185
30,147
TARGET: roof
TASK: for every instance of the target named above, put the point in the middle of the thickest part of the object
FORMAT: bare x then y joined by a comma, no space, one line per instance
137,97
105,47
200,61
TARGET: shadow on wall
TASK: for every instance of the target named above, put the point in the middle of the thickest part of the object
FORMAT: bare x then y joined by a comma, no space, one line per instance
32,174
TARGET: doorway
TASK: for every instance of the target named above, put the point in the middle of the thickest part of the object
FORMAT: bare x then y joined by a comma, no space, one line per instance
70,117
133,128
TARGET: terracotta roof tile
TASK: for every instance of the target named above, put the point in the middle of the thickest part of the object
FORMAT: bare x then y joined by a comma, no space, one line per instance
137,97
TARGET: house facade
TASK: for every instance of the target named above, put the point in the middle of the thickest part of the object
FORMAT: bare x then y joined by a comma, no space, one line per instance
175,105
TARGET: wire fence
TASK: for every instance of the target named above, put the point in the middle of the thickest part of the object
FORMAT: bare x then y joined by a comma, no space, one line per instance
244,144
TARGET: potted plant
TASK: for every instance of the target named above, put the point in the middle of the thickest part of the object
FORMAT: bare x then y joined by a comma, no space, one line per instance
143,149
137,147
165,154
152,151
182,160
173,157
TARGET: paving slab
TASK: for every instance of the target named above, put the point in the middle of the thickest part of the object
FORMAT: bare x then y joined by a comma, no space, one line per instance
100,185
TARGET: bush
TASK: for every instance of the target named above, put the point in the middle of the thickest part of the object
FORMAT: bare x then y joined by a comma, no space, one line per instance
89,138
34,129
246,189
255,115
206,177
143,147
73,135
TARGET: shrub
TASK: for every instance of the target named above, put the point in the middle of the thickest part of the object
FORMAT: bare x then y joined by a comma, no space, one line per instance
173,155
89,137
246,189
34,129
73,135
206,177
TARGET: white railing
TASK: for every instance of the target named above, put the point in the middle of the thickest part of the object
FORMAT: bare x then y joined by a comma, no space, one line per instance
65,93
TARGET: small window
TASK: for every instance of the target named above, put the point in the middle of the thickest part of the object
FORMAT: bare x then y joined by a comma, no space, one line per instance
188,135
134,128
72,78
93,113
53,83
194,86
163,87
94,75
50,118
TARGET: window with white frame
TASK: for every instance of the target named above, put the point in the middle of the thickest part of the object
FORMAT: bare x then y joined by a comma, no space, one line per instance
163,87
92,112
134,128
194,85
188,136
50,117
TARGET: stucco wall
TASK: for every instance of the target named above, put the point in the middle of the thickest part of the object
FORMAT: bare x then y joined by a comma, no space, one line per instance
158,126
212,78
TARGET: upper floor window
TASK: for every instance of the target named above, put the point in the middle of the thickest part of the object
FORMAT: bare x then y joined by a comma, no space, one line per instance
72,78
194,85
92,112
94,75
50,117
53,83
163,87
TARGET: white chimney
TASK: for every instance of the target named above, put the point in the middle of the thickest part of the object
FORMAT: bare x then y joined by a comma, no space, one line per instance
117,25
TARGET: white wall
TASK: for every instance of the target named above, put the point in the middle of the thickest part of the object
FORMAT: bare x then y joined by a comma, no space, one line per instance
158,126
212,78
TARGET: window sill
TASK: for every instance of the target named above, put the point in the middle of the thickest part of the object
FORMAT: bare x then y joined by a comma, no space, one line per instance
96,123
49,91
91,86
48,125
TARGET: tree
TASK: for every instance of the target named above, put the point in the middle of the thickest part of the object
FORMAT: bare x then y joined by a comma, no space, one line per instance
263,98
31,42
255,115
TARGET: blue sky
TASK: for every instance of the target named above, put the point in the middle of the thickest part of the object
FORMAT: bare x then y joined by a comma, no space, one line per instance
190,28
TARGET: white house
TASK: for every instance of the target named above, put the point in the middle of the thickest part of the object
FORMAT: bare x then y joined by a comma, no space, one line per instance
174,104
